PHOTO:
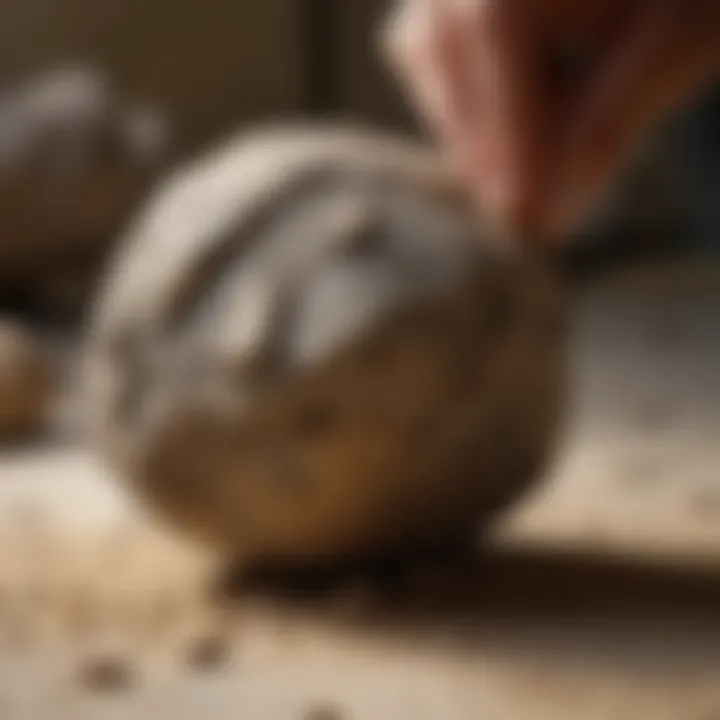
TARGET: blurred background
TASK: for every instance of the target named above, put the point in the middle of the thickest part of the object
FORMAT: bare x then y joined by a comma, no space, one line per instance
602,602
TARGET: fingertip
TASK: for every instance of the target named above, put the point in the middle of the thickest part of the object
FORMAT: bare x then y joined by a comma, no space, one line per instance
403,36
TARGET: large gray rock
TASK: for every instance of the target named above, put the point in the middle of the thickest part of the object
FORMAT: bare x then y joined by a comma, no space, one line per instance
307,349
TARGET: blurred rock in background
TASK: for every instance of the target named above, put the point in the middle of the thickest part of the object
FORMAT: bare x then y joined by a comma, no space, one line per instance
206,65
75,160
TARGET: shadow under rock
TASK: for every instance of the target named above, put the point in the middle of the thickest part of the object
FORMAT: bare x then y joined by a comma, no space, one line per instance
540,604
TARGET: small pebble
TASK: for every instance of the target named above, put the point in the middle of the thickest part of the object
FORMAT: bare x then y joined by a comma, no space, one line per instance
323,712
105,674
208,653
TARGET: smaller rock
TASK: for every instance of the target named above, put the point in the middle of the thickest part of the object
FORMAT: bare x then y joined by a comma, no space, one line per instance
105,673
323,712
76,159
208,653
25,382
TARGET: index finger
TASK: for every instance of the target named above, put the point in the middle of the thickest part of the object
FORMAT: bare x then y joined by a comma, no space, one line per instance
515,109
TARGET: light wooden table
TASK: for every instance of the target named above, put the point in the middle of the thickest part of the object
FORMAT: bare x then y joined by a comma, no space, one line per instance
602,599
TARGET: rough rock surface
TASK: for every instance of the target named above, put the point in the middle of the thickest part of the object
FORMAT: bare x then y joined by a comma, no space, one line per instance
308,350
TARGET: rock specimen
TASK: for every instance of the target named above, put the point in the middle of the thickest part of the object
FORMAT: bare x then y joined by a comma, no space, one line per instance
74,161
307,350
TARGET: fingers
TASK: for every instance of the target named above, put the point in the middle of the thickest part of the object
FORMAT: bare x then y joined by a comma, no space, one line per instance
470,70
457,57
460,58
646,75
428,50
410,44
516,113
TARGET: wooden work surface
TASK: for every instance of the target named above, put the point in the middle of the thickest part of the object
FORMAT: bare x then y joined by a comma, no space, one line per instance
602,599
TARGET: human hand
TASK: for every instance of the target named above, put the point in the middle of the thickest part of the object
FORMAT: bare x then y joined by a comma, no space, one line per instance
538,102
